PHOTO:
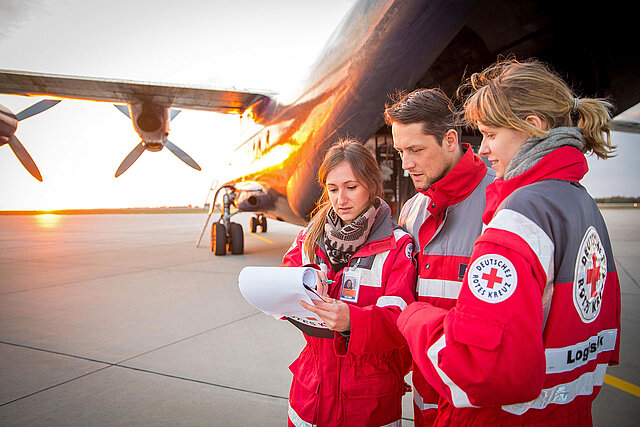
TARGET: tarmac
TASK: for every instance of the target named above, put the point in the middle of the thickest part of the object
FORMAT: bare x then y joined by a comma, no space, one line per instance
121,320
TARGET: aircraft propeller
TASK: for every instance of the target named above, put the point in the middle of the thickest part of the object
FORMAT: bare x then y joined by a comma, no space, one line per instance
181,154
9,124
131,157
155,146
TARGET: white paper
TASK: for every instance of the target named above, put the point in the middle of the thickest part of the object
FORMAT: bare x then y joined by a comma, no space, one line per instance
279,290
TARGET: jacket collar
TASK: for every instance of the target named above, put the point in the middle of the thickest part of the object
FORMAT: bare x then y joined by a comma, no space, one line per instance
457,184
564,163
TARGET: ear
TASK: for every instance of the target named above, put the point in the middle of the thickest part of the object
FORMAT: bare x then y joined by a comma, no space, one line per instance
536,121
450,140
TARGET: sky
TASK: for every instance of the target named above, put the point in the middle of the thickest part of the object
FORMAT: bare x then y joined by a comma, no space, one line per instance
78,145
251,44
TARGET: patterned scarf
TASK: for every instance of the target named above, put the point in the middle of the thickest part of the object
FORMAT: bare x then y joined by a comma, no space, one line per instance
343,241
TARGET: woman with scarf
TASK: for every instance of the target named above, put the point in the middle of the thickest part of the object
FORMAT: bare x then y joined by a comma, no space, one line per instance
538,319
354,377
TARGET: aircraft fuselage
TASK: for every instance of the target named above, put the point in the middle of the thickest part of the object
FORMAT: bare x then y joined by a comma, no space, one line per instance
380,47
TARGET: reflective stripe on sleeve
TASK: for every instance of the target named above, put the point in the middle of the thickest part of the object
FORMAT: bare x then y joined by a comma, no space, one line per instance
438,288
396,423
568,358
296,420
458,397
419,401
563,393
389,300
530,232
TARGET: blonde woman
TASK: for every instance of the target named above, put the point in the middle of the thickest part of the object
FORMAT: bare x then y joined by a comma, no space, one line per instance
537,321
355,377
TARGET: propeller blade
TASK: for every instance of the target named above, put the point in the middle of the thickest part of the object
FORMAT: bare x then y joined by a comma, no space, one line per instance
124,109
36,108
173,114
181,154
131,157
24,157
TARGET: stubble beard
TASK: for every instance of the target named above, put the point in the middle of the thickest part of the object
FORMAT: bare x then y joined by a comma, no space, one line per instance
425,186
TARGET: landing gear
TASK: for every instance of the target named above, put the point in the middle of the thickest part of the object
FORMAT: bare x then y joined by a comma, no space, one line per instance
224,233
236,239
258,221
218,239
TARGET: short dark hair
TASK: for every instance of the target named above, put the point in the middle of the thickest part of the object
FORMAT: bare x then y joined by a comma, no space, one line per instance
431,107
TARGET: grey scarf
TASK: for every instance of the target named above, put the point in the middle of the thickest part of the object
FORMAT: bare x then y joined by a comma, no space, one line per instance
536,147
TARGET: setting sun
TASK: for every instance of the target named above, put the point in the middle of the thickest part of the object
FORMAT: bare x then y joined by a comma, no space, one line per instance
47,220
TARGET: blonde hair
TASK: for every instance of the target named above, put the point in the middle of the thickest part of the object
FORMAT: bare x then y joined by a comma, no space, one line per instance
504,94
364,167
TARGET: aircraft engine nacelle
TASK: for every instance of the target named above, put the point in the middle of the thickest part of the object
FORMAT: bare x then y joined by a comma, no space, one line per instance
254,201
148,122
151,122
8,124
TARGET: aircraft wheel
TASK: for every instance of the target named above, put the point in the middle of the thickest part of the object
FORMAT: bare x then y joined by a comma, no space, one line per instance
218,239
237,239
253,223
263,224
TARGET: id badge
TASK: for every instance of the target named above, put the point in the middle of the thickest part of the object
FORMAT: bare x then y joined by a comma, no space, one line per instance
350,286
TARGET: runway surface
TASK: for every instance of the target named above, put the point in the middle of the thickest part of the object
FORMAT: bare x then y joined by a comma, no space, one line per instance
121,320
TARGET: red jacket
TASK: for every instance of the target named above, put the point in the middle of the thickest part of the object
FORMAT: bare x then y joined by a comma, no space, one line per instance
445,220
362,382
538,318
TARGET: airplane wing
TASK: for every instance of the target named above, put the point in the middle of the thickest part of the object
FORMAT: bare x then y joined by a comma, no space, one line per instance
628,120
150,106
127,92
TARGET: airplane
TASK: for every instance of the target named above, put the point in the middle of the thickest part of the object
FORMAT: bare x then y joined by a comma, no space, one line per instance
380,47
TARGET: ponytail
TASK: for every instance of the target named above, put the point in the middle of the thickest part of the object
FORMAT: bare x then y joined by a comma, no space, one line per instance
594,119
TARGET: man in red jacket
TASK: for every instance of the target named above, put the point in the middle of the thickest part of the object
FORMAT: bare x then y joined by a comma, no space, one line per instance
445,216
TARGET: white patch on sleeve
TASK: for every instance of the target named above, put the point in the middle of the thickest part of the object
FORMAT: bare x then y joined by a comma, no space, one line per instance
408,251
492,278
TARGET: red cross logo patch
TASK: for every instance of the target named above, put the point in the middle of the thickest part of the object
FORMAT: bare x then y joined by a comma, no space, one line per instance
492,278
590,276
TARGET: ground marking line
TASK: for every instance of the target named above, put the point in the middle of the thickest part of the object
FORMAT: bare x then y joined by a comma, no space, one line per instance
261,238
54,386
622,385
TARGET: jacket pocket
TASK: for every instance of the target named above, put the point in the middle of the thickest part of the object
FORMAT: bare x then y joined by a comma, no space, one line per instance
477,331
305,371
372,395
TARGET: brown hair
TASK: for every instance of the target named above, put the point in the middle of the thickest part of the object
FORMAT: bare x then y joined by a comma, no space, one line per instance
431,107
364,167
505,93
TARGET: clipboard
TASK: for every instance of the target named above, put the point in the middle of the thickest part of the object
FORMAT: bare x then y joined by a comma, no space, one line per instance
277,291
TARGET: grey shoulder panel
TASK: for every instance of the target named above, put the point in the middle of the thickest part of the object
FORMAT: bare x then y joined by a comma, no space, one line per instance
564,211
